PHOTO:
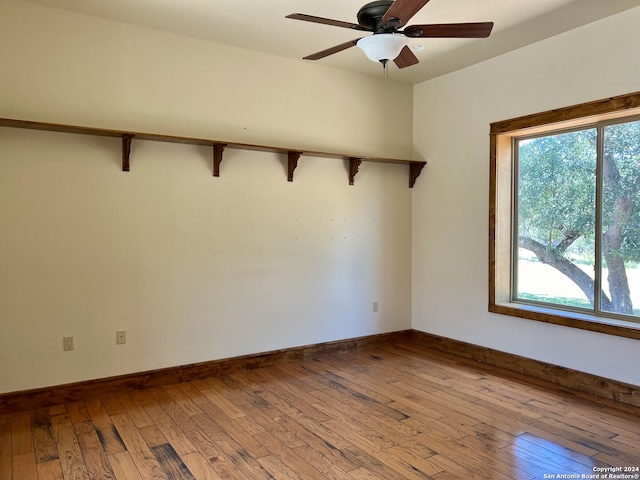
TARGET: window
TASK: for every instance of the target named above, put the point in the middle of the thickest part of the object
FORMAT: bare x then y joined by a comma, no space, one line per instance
565,216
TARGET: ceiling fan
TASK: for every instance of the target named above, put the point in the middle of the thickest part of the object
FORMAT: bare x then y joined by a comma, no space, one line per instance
385,18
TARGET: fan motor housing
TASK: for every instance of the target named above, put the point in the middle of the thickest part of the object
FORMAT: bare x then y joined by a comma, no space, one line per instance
370,16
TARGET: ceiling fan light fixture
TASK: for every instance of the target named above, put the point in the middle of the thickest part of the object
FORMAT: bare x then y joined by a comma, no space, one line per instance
382,47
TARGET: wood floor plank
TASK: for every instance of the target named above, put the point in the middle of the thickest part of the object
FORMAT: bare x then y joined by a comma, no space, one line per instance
113,405
57,409
95,458
71,460
540,465
200,468
173,409
211,388
278,469
220,423
363,473
369,461
360,435
468,470
195,395
135,410
43,438
152,407
461,452
294,427
243,395
277,380
123,466
488,439
409,469
321,463
177,438
262,406
602,423
389,411
286,398
105,429
551,450
21,436
214,457
393,391
371,419
51,470
348,378
152,435
339,388
414,453
586,439
171,463
504,460
270,419
235,450
325,434
288,456
77,412
145,461
361,408
181,398
6,453
24,466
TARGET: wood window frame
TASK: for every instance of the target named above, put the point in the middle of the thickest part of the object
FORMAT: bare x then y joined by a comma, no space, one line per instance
501,201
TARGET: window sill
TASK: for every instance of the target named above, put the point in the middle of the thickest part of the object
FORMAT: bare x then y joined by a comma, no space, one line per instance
583,321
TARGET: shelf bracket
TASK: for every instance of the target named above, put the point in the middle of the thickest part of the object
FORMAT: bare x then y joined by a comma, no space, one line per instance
126,151
414,172
354,166
292,164
218,148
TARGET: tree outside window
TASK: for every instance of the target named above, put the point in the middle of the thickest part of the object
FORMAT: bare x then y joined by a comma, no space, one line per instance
564,216
576,231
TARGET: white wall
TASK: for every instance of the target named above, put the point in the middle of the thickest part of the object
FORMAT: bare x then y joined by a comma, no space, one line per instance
62,67
450,205
193,267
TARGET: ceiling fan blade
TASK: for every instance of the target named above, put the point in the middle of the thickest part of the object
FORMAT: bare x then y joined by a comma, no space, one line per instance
406,58
403,10
450,30
332,50
324,21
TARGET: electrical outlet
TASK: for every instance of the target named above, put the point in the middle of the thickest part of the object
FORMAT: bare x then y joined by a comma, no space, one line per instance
67,343
374,307
121,337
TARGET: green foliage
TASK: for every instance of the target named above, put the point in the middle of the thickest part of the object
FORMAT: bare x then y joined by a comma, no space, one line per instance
622,147
557,188
556,300
559,300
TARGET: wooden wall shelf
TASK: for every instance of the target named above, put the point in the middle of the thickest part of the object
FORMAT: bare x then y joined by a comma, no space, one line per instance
293,155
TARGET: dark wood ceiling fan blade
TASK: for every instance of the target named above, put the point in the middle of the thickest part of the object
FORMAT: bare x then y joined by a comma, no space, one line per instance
403,10
406,58
324,21
332,50
450,30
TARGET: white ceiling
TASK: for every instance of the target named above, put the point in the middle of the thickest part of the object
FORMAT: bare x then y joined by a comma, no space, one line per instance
261,25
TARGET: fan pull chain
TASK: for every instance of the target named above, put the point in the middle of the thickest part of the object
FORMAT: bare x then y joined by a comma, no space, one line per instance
385,67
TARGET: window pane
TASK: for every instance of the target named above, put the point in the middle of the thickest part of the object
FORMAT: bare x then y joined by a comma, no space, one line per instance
621,219
556,191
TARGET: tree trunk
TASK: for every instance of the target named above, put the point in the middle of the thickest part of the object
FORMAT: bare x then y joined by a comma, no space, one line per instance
612,240
611,243
571,270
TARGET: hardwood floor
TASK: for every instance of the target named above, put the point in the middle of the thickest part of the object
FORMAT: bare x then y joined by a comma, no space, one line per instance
389,412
